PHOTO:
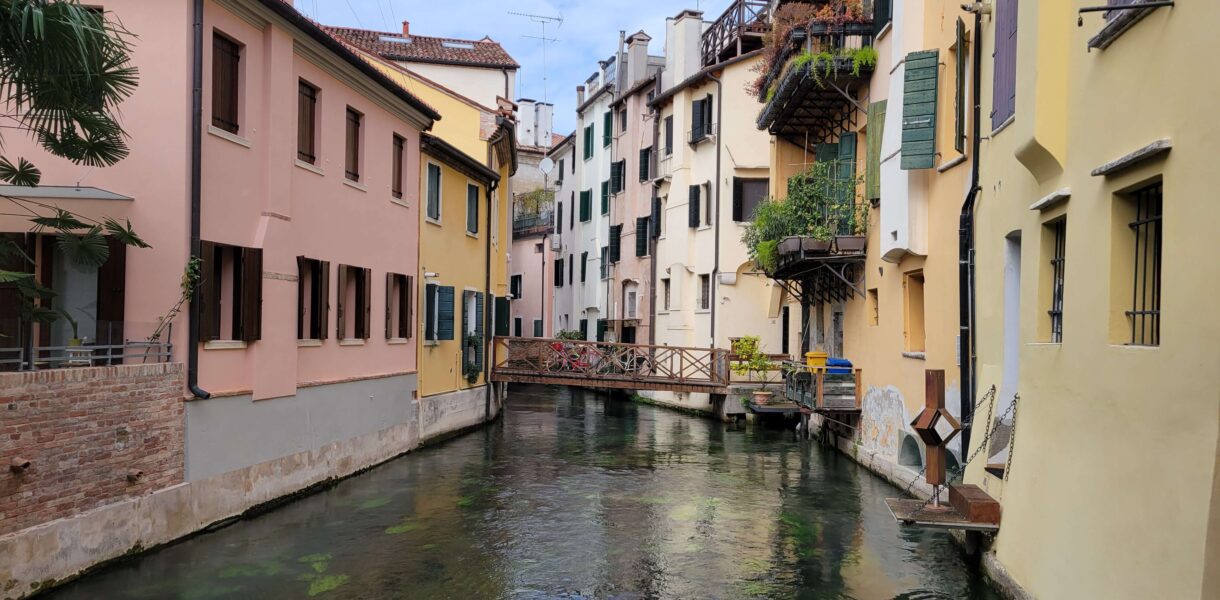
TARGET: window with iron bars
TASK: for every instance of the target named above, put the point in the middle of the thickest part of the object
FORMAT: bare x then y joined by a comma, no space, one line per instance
1059,230
1145,313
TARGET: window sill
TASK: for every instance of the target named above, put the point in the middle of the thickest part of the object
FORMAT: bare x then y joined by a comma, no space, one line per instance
356,185
1044,344
885,30
1003,126
961,159
1136,347
230,137
351,342
225,345
400,202
703,311
703,228
472,234
915,355
431,343
431,221
312,168
309,343
398,341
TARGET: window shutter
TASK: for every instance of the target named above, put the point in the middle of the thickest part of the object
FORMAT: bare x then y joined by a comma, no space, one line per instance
669,135
111,294
1004,86
444,313
584,329
366,303
559,218
693,207
584,265
738,200
340,322
845,171
616,242
302,326
389,305
209,293
602,325
618,172
502,310
709,115
645,163
479,329
251,294
571,265
405,324
959,97
430,311
324,304
559,272
641,236
882,11
697,120
607,128
605,197
876,134
537,328
919,110
586,205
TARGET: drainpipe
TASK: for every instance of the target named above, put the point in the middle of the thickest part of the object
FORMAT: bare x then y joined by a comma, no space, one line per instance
714,283
488,301
654,243
965,261
192,346
542,286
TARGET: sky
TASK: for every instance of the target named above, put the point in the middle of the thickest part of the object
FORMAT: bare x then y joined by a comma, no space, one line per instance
589,33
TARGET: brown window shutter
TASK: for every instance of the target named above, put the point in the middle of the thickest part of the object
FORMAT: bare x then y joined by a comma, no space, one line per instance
111,294
389,305
341,291
366,329
208,295
303,328
323,315
252,294
46,278
404,320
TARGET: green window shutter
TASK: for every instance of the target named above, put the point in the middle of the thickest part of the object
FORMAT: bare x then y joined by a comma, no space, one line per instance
559,272
537,328
641,236
479,329
605,197
919,110
618,176
430,311
589,131
607,128
616,243
502,310
693,207
602,326
645,163
655,226
959,98
584,265
845,173
444,310
876,134
584,329
697,120
586,205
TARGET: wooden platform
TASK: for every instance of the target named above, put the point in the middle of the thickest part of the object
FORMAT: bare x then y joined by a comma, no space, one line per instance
606,381
775,408
908,512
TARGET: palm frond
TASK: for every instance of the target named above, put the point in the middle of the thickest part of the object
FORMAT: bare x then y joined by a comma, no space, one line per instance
88,249
23,173
124,233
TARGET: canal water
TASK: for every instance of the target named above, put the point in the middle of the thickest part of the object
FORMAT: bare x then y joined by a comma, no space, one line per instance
571,495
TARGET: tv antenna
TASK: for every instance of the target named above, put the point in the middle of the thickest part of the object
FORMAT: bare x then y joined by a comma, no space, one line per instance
542,20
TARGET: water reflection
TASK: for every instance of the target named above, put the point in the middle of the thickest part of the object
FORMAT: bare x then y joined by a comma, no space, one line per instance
573,496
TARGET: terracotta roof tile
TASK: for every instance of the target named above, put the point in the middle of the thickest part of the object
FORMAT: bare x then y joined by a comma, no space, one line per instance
417,48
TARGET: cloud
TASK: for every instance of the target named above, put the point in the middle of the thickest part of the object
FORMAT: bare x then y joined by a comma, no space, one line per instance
589,33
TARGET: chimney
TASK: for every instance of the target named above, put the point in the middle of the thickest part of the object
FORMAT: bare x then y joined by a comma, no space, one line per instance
406,29
543,124
620,60
580,95
683,40
526,113
637,58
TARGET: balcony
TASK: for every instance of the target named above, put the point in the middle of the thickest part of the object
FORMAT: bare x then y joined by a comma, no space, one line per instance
739,30
533,223
810,91
702,134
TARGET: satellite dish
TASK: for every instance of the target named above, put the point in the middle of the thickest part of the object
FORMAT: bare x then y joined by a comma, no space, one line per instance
546,166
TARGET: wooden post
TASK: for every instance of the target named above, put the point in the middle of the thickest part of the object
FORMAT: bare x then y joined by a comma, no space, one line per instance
934,400
859,391
821,399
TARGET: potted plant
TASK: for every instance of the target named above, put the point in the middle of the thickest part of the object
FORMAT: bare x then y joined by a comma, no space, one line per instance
818,241
752,362
470,363
75,353
855,243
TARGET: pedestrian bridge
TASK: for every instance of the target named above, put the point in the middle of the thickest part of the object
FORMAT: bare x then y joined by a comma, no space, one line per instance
611,365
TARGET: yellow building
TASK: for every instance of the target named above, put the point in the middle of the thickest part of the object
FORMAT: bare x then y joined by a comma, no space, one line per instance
466,164
1096,295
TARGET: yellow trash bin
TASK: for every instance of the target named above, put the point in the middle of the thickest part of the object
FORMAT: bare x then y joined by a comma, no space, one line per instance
816,359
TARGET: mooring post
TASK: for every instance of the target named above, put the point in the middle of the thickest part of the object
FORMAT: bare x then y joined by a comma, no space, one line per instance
935,426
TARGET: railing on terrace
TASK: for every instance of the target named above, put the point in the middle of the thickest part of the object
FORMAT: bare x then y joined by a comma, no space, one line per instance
821,389
743,18
607,364
112,349
839,40
701,134
525,222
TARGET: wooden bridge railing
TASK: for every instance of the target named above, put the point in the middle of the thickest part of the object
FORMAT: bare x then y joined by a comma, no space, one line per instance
818,389
611,364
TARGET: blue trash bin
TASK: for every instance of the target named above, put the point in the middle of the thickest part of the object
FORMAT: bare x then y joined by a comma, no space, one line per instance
838,366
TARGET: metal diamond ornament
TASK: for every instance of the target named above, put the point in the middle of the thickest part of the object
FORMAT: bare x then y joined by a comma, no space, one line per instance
935,426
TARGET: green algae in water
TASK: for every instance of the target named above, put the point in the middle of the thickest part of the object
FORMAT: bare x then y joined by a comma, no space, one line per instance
234,571
373,503
321,585
211,591
318,562
403,527
465,502
428,546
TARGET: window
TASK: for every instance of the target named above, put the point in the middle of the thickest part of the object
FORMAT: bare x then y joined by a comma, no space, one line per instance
1145,313
586,206
472,208
571,265
658,216
705,292
558,272
352,163
607,128
572,213
399,153
883,12
353,317
747,195
912,285
669,135
231,290
398,292
307,115
960,55
785,326
559,179
226,83
584,263
616,242
1004,88
646,164
434,192
605,197
874,311
516,326
538,328
514,287
438,312
604,266
1058,237
632,302
583,327
538,248
694,216
702,124
641,236
589,131
622,120
665,293
618,172
313,298
559,217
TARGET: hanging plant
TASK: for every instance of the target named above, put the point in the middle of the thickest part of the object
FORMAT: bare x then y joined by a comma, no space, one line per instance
471,346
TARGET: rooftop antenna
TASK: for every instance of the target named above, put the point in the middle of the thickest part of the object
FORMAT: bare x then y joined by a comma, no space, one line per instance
541,20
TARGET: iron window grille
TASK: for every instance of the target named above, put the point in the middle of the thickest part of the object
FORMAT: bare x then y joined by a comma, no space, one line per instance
1145,313
1059,228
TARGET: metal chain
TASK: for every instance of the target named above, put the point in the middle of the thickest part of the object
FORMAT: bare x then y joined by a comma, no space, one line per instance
1012,436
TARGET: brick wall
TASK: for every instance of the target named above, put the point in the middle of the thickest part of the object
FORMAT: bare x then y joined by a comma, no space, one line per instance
84,431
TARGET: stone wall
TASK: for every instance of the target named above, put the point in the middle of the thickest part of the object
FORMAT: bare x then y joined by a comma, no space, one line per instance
92,437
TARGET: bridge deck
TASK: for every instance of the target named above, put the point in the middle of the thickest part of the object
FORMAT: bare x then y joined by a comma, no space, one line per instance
611,365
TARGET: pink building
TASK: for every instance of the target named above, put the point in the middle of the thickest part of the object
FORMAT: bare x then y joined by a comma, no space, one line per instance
307,224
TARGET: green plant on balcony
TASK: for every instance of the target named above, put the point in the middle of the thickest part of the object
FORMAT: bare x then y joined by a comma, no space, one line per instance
832,16
820,205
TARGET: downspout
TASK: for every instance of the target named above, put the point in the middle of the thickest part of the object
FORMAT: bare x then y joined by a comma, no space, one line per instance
192,346
965,268
715,278
654,243
542,286
488,300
